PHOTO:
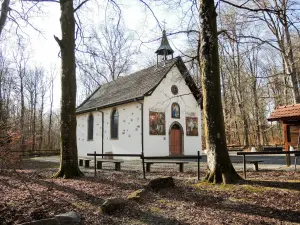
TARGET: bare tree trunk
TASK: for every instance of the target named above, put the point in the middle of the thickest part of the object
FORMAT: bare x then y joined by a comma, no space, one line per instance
290,54
256,113
41,133
22,139
50,114
34,114
220,168
69,156
240,98
3,15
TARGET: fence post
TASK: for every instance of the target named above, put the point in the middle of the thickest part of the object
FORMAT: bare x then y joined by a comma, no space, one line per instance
95,162
198,165
244,162
143,164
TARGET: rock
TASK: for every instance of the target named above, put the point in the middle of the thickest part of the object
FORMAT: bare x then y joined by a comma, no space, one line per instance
69,218
136,195
161,183
113,204
51,221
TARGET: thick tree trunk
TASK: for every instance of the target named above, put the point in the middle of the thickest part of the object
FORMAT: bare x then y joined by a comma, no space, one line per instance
220,168
3,15
69,158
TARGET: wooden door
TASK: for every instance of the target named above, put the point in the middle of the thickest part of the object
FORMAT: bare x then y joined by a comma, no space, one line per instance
175,140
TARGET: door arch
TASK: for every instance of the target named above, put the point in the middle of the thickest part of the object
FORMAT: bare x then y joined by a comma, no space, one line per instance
176,139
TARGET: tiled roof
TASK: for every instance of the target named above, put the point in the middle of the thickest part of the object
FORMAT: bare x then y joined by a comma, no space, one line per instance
135,86
285,113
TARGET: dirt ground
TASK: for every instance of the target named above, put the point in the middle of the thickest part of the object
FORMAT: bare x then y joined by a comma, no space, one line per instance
267,197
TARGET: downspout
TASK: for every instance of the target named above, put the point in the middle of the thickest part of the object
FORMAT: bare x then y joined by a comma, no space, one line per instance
102,133
142,125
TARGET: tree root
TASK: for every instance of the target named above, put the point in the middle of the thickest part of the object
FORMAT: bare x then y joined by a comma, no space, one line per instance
218,177
68,172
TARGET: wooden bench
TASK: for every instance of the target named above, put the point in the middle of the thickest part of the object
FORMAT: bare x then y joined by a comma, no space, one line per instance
272,149
86,162
117,163
180,163
254,162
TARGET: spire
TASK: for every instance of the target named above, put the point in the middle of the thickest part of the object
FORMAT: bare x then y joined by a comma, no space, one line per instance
164,48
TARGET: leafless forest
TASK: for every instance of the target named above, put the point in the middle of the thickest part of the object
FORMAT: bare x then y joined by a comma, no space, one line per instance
259,61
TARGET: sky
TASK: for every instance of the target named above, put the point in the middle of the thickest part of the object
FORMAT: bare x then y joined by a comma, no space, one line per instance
138,19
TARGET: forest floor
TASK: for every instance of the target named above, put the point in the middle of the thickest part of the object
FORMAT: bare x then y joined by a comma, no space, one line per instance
266,197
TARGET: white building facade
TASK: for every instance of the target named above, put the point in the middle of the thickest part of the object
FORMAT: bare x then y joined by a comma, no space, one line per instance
156,110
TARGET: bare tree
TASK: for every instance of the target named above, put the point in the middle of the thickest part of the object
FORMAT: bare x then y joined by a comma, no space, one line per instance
69,156
220,168
279,21
108,54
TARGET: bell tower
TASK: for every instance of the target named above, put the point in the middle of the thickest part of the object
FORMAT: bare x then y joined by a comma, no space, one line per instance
164,49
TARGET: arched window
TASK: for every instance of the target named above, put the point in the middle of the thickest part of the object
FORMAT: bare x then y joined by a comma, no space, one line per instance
175,111
90,127
114,124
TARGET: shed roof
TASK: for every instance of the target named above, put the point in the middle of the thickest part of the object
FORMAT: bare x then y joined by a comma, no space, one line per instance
285,113
136,86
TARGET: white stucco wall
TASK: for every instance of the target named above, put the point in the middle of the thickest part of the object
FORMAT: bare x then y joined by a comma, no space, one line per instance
161,100
129,137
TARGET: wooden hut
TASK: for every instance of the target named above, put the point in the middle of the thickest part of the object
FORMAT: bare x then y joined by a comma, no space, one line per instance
289,115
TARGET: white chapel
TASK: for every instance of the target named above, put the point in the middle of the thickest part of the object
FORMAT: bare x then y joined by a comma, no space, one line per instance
156,110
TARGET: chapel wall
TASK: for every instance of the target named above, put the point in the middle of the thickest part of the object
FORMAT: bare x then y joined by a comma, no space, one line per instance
160,101
129,132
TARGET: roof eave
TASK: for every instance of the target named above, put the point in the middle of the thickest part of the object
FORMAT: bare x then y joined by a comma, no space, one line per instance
283,119
110,105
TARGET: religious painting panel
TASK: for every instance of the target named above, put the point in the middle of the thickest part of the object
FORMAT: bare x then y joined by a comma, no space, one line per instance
157,123
175,110
191,126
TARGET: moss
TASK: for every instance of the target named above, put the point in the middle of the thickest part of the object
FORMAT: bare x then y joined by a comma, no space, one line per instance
154,209
237,199
82,205
294,181
216,187
137,222
162,201
255,189
203,185
136,195
226,187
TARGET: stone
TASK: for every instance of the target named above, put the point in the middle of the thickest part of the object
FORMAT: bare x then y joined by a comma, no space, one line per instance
69,218
113,204
161,183
51,221
136,195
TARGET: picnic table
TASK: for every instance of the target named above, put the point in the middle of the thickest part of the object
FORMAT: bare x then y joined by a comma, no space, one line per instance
296,153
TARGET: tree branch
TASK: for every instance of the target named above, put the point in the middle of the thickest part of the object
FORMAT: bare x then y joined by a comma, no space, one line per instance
80,5
59,42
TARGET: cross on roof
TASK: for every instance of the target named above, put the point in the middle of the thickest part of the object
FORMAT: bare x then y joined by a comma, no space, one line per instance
164,23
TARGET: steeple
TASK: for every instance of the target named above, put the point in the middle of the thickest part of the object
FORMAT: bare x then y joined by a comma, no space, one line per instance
164,48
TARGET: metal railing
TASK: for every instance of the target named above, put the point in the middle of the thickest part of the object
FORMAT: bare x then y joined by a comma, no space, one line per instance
39,152
264,153
142,157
